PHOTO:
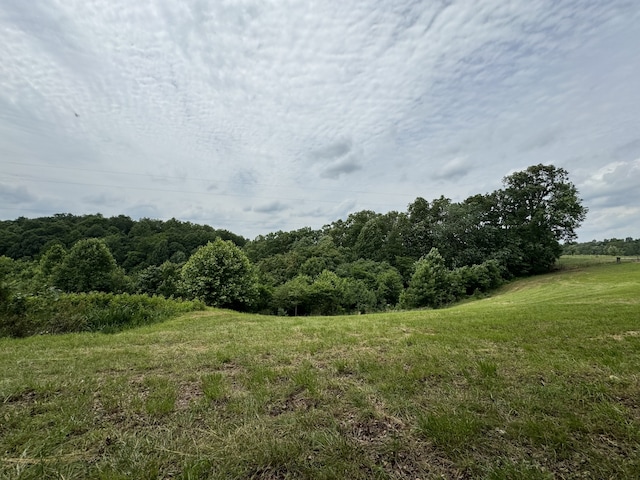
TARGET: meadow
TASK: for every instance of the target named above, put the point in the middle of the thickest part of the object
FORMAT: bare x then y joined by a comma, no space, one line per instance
539,380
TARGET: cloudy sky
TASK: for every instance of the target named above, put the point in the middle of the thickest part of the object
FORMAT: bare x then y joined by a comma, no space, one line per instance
257,116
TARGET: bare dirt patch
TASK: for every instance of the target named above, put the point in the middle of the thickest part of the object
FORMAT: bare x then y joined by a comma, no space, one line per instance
188,393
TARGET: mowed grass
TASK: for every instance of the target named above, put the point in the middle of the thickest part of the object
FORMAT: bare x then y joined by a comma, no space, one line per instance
539,381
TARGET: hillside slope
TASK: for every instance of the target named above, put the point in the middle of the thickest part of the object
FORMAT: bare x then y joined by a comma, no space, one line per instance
539,381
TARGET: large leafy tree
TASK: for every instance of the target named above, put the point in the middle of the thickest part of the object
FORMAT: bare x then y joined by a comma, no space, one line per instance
539,208
89,266
220,274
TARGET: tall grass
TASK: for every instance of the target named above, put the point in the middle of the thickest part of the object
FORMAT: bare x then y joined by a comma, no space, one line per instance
57,312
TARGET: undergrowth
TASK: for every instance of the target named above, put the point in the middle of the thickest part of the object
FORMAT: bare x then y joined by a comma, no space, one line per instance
56,312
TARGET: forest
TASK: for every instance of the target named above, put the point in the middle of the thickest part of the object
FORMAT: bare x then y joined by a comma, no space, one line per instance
433,254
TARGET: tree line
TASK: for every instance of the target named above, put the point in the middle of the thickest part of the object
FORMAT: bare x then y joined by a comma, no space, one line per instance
435,253
617,247
134,245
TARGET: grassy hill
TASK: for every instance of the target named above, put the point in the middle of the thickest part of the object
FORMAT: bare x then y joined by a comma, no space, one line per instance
539,381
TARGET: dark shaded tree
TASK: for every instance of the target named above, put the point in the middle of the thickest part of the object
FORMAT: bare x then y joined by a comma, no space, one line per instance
539,207
430,285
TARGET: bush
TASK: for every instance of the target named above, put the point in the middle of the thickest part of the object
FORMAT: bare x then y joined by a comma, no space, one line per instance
430,284
220,275
159,280
469,280
88,267
56,312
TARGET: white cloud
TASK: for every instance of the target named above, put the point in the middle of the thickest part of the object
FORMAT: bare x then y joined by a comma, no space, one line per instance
615,184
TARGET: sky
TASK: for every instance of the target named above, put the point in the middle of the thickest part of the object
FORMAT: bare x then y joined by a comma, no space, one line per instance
259,116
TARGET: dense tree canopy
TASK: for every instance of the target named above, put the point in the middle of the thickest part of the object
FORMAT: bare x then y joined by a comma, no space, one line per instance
434,253
430,284
135,245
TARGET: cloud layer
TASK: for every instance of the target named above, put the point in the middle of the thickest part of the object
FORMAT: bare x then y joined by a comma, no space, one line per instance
259,116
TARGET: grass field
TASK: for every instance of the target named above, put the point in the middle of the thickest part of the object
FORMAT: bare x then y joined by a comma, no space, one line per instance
542,380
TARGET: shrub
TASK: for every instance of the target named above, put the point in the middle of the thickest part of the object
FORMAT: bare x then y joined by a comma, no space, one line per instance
220,275
56,312
89,266
430,284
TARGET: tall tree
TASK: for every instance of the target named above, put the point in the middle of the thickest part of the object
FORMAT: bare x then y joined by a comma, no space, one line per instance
539,208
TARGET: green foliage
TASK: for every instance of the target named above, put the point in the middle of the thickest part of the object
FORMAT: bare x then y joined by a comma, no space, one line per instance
539,208
627,247
358,297
220,275
56,312
389,287
21,276
88,267
134,244
380,238
292,297
359,264
472,279
430,284
5,269
52,259
279,242
378,277
159,280
326,294
423,221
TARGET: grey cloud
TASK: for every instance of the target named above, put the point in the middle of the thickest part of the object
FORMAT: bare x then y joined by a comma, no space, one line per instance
344,166
609,222
341,210
245,177
271,207
335,150
143,211
16,195
103,199
174,176
541,139
316,212
628,150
